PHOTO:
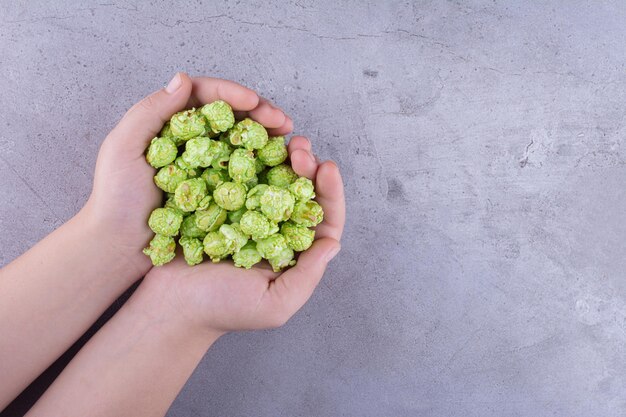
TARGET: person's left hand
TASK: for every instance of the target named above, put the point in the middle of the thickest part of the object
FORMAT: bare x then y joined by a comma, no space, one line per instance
124,193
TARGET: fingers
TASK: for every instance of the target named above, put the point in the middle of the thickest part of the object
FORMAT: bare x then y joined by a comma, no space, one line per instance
145,119
207,90
285,129
299,142
303,163
287,293
330,195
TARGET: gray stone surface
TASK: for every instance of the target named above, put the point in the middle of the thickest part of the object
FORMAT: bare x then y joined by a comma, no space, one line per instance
482,146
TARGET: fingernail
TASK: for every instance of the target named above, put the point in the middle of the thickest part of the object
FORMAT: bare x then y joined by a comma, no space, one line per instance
332,253
311,157
174,84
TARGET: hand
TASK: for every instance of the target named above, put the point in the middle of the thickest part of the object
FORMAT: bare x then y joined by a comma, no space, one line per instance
124,193
220,298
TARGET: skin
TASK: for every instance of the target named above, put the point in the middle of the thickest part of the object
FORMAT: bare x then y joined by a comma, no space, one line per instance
145,353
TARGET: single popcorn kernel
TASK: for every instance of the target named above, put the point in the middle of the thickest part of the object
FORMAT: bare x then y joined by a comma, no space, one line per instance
214,177
161,152
230,195
274,152
189,228
277,204
272,246
281,176
235,238
219,115
216,246
192,250
282,260
253,200
189,193
161,250
210,219
302,189
298,237
221,154
171,204
165,221
307,213
247,133
241,166
247,256
198,152
204,203
187,124
255,224
169,177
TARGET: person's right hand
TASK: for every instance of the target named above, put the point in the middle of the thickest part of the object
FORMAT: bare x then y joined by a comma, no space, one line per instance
218,297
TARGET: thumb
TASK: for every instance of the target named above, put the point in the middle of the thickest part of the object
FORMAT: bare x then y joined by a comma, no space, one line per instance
145,119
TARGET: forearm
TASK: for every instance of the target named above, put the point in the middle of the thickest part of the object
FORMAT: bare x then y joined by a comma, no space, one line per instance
135,365
52,294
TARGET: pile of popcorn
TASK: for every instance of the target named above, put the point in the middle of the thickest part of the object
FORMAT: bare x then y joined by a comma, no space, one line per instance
229,192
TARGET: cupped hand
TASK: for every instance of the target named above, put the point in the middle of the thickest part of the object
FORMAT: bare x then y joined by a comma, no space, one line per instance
222,298
124,194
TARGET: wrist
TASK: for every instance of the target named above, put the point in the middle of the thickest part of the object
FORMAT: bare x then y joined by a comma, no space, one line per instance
123,262
157,305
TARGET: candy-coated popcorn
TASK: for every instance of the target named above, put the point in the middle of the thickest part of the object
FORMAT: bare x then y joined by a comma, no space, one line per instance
298,237
187,124
230,195
253,199
165,221
281,176
247,133
190,229
277,203
307,213
161,152
169,177
274,152
216,246
241,167
247,256
199,152
235,216
255,225
210,219
190,193
193,249
235,238
219,116
161,249
302,189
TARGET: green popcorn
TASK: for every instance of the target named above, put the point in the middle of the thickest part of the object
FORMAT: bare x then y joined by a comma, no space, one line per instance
241,165
235,216
307,213
258,166
298,237
192,172
190,229
272,246
235,238
277,203
302,189
274,152
281,176
161,152
247,133
210,219
161,249
166,132
187,124
165,221
171,204
282,260
219,115
247,256
169,177
214,177
255,224
198,152
230,195
216,246
221,154
252,183
253,200
190,193
193,249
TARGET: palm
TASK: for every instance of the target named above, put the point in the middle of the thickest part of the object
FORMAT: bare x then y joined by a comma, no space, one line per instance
221,295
